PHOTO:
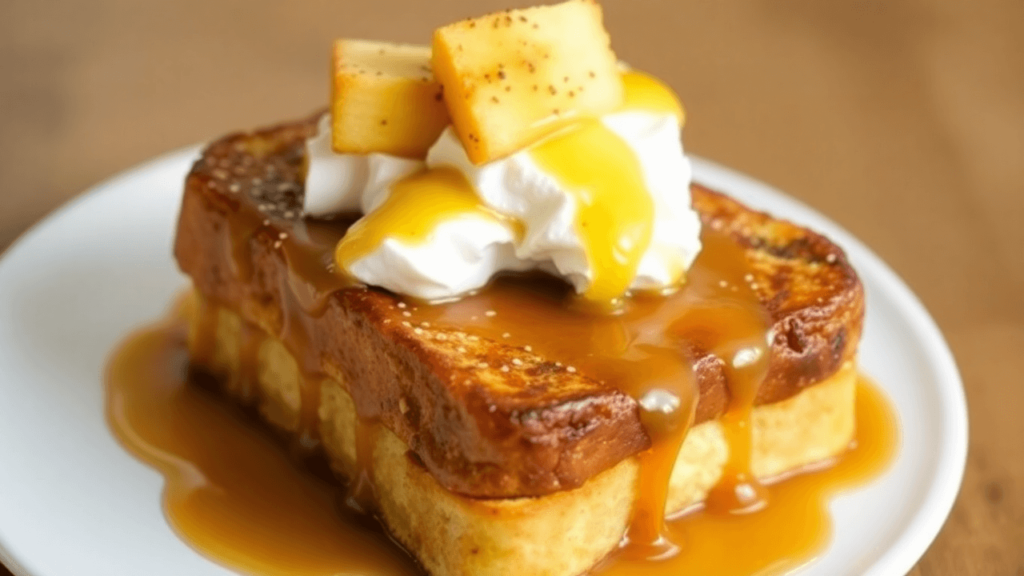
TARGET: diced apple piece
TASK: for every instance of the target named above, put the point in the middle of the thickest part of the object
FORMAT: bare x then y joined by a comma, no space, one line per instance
385,99
513,77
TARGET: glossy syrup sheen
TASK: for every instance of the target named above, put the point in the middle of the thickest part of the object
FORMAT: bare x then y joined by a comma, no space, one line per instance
233,492
643,92
614,211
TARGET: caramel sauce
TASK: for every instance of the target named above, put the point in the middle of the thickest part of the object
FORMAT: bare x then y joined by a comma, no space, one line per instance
739,490
643,92
205,333
233,492
311,280
296,330
361,494
793,527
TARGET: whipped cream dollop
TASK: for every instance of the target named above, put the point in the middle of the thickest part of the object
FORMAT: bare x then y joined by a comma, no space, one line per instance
528,218
518,187
344,183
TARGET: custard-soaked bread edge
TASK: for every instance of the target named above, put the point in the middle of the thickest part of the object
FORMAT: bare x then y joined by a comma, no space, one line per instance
561,534
522,438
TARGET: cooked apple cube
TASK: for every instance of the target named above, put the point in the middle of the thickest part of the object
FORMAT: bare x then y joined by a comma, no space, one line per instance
513,77
385,99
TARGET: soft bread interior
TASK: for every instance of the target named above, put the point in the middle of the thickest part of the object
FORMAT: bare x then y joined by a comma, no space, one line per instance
562,534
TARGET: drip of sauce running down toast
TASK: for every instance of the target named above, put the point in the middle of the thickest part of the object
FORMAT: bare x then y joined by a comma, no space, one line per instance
646,349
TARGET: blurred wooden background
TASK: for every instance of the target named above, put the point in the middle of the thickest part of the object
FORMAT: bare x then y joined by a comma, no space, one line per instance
901,119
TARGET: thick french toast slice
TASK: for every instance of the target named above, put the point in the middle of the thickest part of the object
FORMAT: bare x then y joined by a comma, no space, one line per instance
561,534
477,430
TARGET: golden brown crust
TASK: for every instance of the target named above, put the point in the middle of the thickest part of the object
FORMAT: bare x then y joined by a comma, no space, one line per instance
813,295
479,431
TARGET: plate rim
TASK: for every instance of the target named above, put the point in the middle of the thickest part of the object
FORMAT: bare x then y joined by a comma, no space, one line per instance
926,521
929,519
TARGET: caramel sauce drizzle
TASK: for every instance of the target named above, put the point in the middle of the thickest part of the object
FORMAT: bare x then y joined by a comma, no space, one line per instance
614,212
361,495
415,206
205,333
295,332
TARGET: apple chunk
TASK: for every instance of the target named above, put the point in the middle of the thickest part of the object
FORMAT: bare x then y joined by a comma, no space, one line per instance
512,77
385,99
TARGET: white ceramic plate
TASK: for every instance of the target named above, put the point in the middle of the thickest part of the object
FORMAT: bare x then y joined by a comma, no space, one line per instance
73,502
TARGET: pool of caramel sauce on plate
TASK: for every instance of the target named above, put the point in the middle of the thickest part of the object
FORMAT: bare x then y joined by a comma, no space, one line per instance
236,493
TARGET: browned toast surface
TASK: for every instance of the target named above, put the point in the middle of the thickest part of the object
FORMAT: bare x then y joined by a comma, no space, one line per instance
481,431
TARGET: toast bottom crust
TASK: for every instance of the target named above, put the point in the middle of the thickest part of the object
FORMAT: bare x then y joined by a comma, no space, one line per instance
561,534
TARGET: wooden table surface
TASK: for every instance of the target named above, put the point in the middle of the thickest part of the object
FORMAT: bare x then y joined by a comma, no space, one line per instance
902,120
